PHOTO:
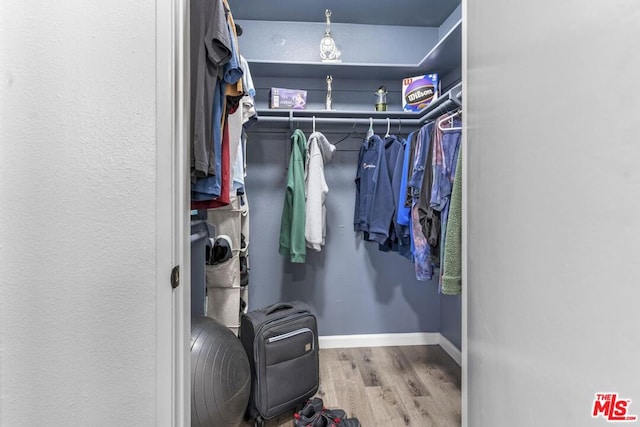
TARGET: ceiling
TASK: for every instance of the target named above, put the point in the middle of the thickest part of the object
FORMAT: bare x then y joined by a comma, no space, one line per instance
422,13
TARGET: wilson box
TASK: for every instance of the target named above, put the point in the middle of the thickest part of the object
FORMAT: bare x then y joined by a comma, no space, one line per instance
418,92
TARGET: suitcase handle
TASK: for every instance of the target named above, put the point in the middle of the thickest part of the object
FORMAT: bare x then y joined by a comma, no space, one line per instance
278,306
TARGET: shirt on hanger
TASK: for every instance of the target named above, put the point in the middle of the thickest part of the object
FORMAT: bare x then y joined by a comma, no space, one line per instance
210,50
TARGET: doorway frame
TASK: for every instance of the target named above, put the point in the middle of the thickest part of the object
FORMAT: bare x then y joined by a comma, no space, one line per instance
173,248
465,280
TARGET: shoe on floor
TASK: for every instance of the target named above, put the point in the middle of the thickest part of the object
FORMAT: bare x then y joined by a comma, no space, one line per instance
350,422
335,414
328,421
310,414
314,414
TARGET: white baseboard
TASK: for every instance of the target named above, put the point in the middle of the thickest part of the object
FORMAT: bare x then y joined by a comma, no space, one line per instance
387,340
451,349
379,340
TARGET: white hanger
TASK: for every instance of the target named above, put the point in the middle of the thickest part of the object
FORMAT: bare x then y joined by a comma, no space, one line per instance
370,132
450,118
314,124
386,135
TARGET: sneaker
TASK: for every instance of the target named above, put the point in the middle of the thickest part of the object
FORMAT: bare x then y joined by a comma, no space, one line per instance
309,415
328,421
314,414
221,250
337,415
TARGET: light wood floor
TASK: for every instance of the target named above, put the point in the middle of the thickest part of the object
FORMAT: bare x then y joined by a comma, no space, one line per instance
390,386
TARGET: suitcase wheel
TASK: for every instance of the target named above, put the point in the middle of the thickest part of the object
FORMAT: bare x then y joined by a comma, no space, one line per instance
258,422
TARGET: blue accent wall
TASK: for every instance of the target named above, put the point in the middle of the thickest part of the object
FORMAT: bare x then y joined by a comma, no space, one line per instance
300,41
451,318
352,287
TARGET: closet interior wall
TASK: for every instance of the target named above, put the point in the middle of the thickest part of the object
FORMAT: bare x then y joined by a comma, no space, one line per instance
353,287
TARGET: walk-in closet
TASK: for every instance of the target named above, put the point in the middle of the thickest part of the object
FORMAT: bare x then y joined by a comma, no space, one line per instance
389,332
122,303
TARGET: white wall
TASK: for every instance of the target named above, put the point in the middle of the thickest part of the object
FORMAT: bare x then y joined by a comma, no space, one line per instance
78,226
553,210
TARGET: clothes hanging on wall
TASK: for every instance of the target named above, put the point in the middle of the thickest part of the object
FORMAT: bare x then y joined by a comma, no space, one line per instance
319,152
222,108
446,152
421,182
422,250
430,218
292,224
210,50
452,261
230,91
249,118
394,154
374,206
403,216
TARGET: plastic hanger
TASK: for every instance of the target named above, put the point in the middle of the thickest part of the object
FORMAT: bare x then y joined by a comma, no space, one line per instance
450,119
370,132
314,124
386,135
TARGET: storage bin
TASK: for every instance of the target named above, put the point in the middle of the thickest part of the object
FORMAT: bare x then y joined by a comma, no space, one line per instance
224,275
227,220
223,304
199,242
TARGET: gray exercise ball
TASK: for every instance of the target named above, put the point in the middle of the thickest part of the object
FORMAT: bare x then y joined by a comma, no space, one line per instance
220,375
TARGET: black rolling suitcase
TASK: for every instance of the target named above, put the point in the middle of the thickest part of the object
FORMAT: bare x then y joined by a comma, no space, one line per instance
282,344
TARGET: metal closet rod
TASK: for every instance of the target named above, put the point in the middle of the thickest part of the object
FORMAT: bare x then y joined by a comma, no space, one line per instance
447,104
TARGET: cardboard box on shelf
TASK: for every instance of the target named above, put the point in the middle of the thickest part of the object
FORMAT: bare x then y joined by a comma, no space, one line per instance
289,99
418,92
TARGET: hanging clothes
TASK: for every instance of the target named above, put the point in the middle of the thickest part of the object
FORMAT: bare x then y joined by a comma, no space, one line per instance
421,247
201,200
215,189
429,217
394,154
210,50
444,168
247,80
292,224
374,205
232,83
319,152
234,123
205,190
403,211
452,271
233,72
249,118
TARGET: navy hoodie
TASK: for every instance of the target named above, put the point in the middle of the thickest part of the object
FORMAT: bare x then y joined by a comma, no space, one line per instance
374,206
394,156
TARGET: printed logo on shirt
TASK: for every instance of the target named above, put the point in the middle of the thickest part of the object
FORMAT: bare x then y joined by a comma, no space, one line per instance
611,408
368,166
